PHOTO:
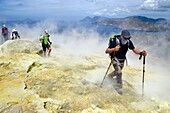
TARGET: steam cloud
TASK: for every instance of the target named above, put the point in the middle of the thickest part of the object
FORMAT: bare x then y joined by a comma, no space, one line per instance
157,61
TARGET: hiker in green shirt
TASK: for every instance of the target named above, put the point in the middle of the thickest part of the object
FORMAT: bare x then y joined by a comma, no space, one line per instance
46,43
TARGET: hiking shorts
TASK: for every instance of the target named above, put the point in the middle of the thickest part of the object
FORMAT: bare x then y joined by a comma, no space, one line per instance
45,46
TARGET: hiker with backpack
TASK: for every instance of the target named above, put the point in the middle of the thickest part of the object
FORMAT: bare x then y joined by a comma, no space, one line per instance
5,32
117,49
46,43
15,34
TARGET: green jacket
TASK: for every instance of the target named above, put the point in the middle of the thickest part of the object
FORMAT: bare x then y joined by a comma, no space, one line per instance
45,38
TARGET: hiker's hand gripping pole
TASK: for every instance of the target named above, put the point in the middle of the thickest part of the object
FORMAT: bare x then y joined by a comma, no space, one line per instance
106,73
143,53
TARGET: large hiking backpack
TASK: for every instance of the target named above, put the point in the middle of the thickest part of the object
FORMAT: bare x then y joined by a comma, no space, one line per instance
116,38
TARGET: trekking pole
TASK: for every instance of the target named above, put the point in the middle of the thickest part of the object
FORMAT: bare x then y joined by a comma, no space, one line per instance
143,75
106,73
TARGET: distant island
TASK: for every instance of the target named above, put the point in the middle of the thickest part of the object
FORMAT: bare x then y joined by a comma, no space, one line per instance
132,23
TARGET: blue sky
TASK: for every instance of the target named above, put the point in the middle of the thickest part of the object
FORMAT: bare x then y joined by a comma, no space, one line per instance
78,9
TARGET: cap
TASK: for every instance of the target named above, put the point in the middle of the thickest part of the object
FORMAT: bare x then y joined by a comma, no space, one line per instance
46,31
126,34
14,30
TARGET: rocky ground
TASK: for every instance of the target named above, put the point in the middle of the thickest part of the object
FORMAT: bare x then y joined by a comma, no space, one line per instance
30,83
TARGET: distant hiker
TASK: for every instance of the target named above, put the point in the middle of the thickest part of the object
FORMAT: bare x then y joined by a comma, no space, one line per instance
117,49
15,34
5,32
46,43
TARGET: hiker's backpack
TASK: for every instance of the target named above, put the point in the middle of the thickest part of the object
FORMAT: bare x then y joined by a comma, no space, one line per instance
117,39
114,38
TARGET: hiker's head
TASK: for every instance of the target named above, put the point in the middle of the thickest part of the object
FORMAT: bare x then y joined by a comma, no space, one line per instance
125,36
46,31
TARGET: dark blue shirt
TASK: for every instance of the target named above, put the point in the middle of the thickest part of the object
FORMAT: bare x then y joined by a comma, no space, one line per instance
121,54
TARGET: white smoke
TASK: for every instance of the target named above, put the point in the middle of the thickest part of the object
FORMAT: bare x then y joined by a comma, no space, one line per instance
157,63
80,42
77,41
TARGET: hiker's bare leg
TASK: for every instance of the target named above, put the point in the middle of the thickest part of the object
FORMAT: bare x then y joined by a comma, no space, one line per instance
49,51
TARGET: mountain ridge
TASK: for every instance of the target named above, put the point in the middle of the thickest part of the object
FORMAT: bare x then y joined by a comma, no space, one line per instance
106,26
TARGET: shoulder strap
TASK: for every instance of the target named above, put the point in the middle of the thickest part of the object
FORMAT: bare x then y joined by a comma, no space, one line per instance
128,44
117,41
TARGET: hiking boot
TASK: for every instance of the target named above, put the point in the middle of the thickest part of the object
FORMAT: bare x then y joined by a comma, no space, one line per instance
119,89
48,54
